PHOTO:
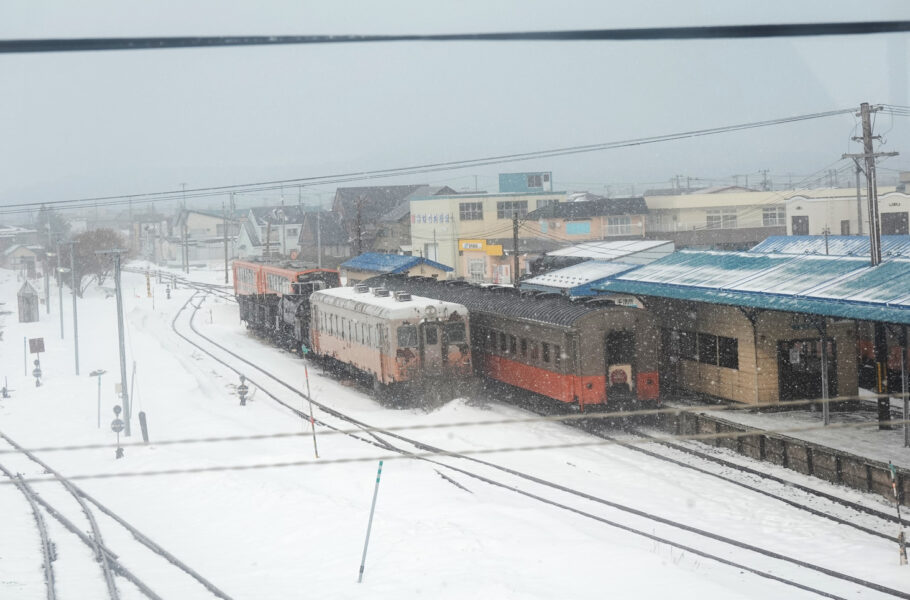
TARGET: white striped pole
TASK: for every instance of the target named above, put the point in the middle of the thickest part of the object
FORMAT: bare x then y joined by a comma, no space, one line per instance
312,421
366,542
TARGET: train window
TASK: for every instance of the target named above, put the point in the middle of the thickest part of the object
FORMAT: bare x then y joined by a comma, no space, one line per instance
545,351
534,350
454,332
727,352
407,336
491,340
557,356
431,333
524,347
620,348
502,343
513,345
707,348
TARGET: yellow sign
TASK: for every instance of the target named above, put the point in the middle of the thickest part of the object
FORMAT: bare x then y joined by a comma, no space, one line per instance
480,246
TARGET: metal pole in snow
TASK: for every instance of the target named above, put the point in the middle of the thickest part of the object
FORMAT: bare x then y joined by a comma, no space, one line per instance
366,542
25,354
897,504
312,421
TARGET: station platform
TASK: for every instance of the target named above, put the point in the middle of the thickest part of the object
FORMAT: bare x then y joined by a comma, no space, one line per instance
851,450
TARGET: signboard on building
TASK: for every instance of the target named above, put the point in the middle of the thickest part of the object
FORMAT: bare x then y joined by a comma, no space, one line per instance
480,246
36,345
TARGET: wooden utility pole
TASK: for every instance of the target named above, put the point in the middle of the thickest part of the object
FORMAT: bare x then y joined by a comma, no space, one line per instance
515,249
880,337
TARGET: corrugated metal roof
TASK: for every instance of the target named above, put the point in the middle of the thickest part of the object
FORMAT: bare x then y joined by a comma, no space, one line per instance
837,245
574,280
389,263
615,250
548,310
838,286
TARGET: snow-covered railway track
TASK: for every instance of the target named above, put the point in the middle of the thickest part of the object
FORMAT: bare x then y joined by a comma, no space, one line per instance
47,546
59,499
804,575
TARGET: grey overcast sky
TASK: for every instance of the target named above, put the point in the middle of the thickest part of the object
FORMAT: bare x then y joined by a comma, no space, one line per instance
102,123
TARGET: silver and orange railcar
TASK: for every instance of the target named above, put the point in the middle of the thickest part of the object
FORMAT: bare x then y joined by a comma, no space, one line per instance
397,340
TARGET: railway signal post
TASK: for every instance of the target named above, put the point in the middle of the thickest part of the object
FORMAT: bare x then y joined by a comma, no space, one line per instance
242,390
117,427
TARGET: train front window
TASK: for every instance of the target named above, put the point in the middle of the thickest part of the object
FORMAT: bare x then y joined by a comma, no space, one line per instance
432,335
407,336
454,332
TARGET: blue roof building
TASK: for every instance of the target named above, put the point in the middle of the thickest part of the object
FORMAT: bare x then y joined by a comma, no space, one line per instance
370,264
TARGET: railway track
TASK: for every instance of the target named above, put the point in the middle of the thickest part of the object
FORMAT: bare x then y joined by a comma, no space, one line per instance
814,578
75,510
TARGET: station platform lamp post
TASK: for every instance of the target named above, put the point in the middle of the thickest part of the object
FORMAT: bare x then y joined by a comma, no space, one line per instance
98,373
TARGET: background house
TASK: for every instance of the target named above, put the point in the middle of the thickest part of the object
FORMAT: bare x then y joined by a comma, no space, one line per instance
393,231
371,264
270,231
366,206
586,217
199,233
330,247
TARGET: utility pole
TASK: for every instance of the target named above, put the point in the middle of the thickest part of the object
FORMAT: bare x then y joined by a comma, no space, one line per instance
123,381
268,238
515,249
318,238
859,202
186,250
73,290
359,240
880,337
225,227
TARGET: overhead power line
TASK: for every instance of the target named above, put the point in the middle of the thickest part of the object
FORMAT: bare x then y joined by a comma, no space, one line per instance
710,32
413,169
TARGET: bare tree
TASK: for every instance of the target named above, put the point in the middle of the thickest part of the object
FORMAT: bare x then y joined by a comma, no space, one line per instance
89,265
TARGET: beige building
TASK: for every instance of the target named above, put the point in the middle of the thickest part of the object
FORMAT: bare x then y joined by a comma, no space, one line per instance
812,212
473,232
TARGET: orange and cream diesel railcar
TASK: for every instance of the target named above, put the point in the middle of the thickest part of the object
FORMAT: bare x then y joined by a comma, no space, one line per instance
394,338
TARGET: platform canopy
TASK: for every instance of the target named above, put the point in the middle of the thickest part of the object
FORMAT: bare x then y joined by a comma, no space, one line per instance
835,286
893,246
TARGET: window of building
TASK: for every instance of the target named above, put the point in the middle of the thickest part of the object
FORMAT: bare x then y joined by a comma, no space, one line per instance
545,202
507,209
470,211
721,218
476,269
687,346
619,225
578,227
543,227
727,352
774,216
535,181
845,227
545,351
707,348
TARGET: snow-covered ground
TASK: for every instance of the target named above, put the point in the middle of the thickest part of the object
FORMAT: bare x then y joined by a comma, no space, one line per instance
298,531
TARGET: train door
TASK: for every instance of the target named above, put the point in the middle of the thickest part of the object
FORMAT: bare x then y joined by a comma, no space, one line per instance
431,347
619,356
799,371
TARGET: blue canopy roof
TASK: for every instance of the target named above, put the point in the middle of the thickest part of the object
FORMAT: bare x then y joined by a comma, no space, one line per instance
893,246
836,286
377,262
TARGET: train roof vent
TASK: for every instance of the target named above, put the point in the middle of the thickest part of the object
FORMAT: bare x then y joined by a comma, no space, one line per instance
381,292
361,289
402,296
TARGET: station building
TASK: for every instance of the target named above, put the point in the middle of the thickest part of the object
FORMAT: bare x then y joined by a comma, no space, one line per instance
755,327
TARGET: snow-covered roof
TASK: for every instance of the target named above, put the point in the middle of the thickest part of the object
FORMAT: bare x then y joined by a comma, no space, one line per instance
575,280
377,262
618,250
387,307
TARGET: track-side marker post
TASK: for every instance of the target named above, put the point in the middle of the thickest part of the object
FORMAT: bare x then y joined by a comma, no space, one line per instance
897,505
312,420
366,542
